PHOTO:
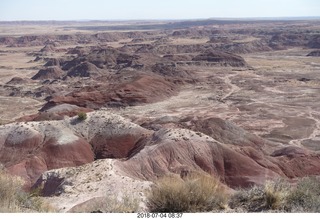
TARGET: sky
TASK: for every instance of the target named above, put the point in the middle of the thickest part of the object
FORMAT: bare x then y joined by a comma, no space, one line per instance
153,9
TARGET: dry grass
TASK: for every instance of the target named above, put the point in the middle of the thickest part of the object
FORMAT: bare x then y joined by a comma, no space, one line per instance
127,204
270,197
279,196
275,194
10,189
14,199
196,193
305,197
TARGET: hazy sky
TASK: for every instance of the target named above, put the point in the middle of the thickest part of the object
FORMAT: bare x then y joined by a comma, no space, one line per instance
151,9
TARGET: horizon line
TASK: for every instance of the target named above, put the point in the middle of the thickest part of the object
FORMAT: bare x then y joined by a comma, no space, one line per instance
169,19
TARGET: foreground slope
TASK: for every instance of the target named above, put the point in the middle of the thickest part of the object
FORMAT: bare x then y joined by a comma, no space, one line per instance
36,147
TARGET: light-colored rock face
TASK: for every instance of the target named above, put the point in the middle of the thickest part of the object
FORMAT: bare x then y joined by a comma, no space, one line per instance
67,188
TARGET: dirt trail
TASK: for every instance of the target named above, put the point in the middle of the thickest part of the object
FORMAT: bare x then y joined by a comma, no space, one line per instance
234,88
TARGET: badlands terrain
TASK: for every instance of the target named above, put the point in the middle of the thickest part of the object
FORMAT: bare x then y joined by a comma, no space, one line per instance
238,99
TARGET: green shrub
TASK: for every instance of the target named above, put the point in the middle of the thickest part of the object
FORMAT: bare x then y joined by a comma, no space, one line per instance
82,116
195,193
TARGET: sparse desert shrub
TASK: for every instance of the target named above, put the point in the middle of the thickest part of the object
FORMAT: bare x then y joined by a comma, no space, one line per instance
279,196
305,197
10,188
268,197
14,199
82,116
276,194
195,193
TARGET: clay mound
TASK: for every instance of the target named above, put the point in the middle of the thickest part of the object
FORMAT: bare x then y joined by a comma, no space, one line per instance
291,151
315,53
222,58
112,136
35,147
141,88
48,73
182,151
84,69
170,69
228,133
103,58
41,116
48,48
55,113
38,58
125,60
64,109
54,62
145,89
79,50
18,80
